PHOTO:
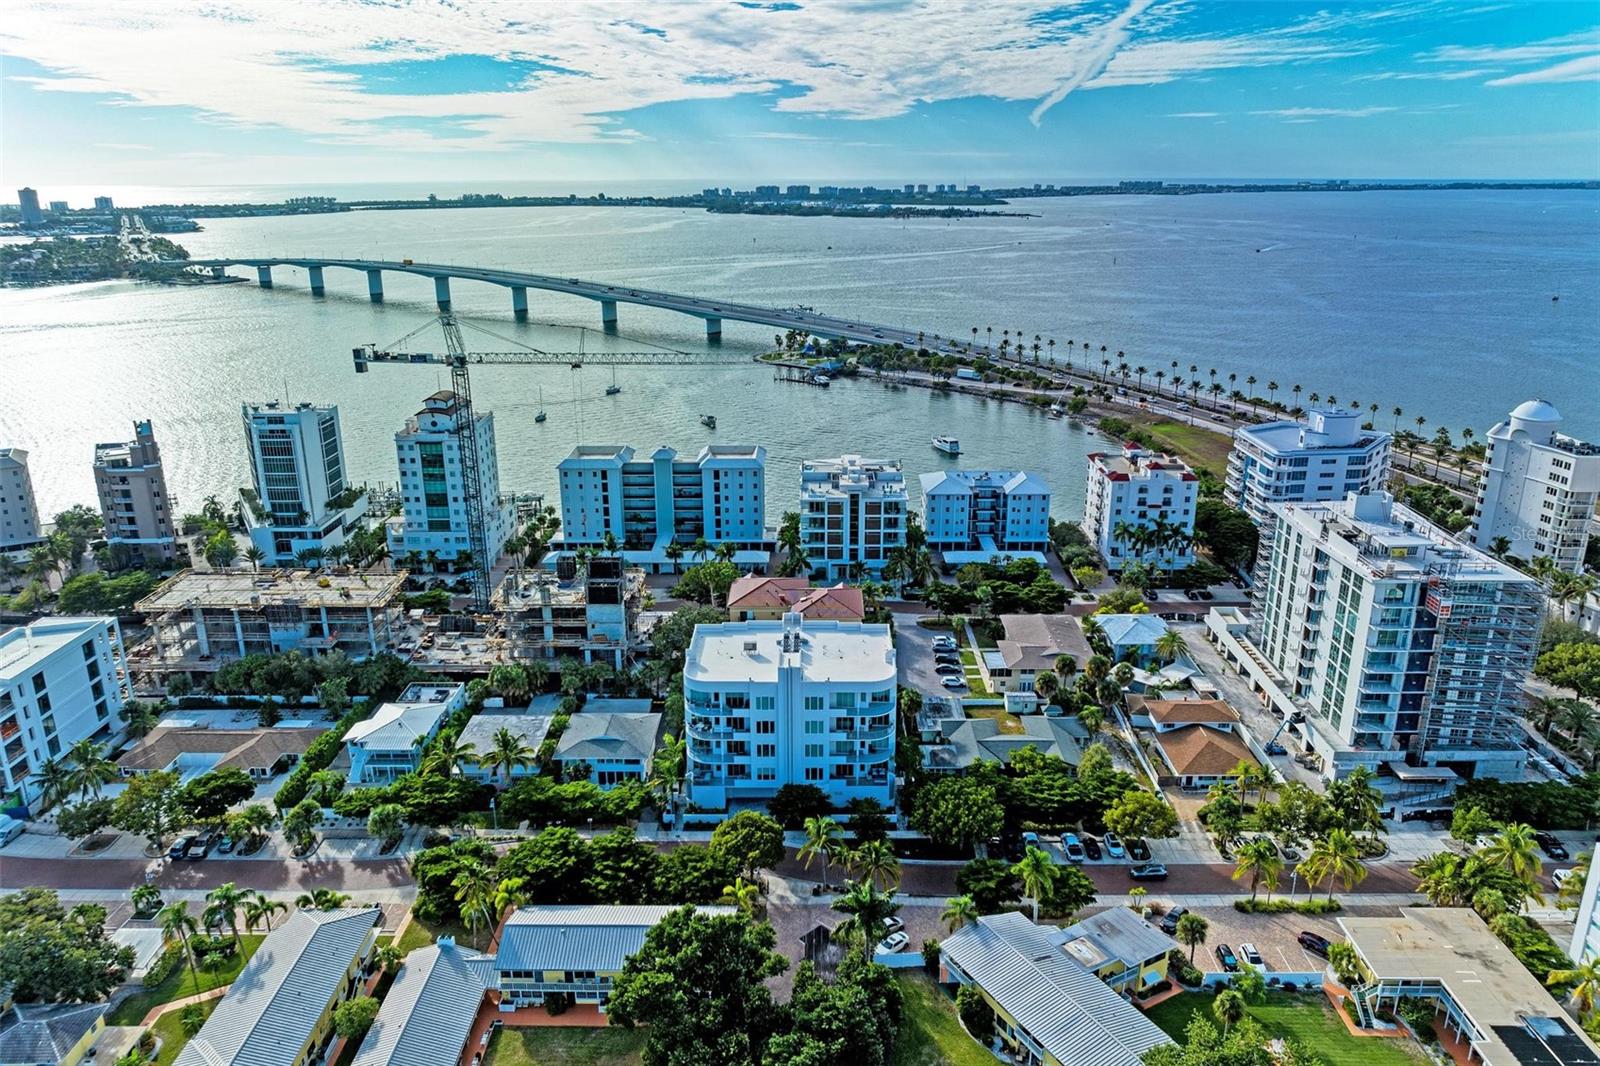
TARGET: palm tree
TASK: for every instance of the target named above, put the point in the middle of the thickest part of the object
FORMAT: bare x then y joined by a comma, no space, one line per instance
475,888
1045,686
90,769
176,921
742,894
225,901
447,753
508,753
959,911
253,555
1191,932
1170,645
321,899
1229,1008
54,778
1585,981
667,766
259,908
824,837
387,957
1335,858
1138,893
875,860
701,549
674,552
869,909
250,825
510,680
1038,873
1259,859
1515,851
726,551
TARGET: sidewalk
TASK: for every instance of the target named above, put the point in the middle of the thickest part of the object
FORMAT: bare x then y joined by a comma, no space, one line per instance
36,845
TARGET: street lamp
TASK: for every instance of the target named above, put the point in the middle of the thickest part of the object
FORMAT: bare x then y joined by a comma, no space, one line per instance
495,812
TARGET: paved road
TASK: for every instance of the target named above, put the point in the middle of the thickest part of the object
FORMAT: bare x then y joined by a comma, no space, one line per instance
123,874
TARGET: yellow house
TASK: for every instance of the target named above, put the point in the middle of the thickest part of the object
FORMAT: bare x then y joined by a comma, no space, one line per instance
59,1033
1050,1008
279,1011
1120,948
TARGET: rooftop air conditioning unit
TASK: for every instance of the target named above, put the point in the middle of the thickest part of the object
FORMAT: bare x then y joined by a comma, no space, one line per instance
749,647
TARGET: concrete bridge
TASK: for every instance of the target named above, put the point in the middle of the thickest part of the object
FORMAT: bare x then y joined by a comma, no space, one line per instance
711,311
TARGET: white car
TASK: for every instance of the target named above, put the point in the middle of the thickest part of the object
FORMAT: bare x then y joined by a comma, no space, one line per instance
893,942
953,682
1114,846
944,643
1561,877
892,925
1248,953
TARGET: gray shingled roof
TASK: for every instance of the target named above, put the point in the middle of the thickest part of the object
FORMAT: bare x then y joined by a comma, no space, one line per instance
1068,1011
267,1016
44,1032
427,1017
595,735
580,937
974,740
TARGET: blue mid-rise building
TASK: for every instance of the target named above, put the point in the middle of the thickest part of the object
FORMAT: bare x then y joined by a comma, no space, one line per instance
988,512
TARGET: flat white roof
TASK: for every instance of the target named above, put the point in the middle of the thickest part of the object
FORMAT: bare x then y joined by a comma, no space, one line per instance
830,650
25,646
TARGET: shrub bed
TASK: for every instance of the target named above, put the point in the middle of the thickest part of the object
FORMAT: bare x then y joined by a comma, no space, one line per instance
1284,906
318,755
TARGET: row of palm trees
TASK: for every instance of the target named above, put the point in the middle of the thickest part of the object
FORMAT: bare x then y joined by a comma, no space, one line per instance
872,861
83,771
1334,858
1165,539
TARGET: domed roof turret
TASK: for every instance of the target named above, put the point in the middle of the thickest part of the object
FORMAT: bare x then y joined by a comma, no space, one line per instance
1536,411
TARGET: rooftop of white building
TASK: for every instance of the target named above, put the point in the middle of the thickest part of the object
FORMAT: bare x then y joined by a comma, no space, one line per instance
834,651
1329,428
1134,461
963,482
852,473
396,726
23,646
1387,539
250,589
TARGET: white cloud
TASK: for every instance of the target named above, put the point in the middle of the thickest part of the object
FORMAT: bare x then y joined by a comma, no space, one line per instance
1428,75
1301,114
118,146
1584,68
296,65
1194,114
1533,52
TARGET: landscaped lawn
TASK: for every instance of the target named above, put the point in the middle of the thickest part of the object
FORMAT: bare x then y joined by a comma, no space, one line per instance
930,1034
566,1046
181,983
169,1030
420,934
1309,1019
1009,723
1195,444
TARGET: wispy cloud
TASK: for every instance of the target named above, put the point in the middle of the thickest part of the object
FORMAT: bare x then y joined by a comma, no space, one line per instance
1307,113
1584,68
1101,46
1194,114
118,146
1571,44
777,135
1428,75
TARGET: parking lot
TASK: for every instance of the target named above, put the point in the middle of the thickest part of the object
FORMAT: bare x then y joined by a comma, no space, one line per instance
913,646
1274,935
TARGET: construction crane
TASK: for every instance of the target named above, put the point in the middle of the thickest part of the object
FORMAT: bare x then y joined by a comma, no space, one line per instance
458,359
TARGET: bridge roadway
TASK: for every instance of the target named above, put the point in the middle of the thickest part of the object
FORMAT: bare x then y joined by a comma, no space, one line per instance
711,311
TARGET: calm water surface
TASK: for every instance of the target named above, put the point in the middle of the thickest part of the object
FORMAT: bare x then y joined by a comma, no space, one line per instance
1436,302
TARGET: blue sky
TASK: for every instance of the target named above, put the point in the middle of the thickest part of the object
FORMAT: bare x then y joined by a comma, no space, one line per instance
540,95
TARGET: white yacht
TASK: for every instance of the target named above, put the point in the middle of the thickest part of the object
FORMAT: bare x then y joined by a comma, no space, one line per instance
948,445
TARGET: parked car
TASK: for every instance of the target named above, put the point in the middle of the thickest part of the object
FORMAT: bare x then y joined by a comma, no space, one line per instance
894,942
946,658
1484,840
1315,943
953,682
226,845
1229,960
1005,847
1030,840
1138,850
1150,871
944,643
1073,847
1169,920
893,925
10,829
1561,877
1091,847
948,668
180,847
1552,847
201,847
1114,846
1249,953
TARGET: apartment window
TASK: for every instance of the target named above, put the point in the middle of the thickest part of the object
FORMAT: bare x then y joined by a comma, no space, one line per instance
814,773
766,751
813,703
813,728
814,751
765,727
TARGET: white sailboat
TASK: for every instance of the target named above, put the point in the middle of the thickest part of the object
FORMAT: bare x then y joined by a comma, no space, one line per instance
540,417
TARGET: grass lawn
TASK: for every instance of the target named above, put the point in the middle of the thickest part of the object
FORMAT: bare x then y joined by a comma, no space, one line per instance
169,1030
420,934
1009,723
1200,446
930,1034
132,1010
1307,1018
565,1046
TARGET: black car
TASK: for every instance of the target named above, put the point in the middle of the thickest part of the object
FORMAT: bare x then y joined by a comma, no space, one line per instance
1150,871
1138,850
1552,847
1169,920
947,657
1229,961
180,847
1091,847
1315,943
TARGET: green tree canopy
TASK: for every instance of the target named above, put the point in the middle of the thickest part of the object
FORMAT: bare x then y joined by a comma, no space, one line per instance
51,954
752,840
209,796
958,811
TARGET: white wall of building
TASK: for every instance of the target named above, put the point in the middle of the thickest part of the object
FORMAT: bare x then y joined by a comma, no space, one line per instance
433,514
1139,488
297,465
1539,489
852,510
19,514
1326,457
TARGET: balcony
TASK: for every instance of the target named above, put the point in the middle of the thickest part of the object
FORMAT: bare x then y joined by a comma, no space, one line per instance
703,729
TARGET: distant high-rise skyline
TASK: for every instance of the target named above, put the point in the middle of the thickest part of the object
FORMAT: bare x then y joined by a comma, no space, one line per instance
959,90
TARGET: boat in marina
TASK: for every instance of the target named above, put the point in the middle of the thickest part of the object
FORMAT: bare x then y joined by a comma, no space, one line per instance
947,444
709,421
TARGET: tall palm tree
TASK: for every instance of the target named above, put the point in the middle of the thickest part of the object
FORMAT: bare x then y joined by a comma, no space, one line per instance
1334,858
959,911
260,908
868,909
90,769
1585,981
700,549
1038,873
1260,861
1170,645
447,753
1229,1008
824,838
1515,851
726,551
674,552
176,921
54,778
874,861
253,555
510,680
509,894
475,887
508,753
667,768
321,899
1191,932
224,903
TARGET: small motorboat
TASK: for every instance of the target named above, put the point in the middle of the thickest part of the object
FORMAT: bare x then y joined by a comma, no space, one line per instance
821,379
947,444
709,421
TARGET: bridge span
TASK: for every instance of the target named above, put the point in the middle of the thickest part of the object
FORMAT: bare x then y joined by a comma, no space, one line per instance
711,311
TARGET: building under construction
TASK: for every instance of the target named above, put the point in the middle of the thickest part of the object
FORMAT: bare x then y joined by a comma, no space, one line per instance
200,621
591,615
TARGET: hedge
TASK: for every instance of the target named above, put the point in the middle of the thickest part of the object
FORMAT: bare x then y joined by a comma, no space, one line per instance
1283,906
318,755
